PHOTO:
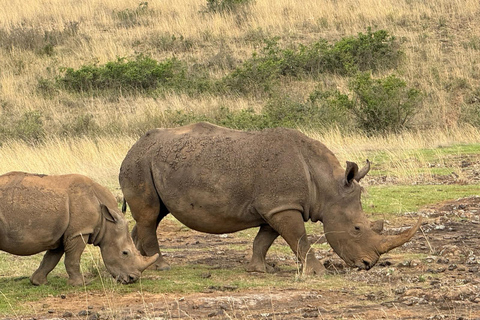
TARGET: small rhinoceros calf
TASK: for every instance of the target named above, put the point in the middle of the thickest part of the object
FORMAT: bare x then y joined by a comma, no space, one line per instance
62,214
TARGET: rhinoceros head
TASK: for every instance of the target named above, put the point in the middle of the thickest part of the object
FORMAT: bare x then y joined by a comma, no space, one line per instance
121,258
348,231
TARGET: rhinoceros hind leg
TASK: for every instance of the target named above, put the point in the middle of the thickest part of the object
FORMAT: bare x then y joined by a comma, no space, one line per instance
264,239
290,225
49,262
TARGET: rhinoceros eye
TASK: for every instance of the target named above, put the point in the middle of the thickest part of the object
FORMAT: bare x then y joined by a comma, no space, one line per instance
357,228
125,253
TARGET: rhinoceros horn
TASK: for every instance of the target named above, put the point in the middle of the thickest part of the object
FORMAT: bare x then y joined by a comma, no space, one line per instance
392,241
147,261
362,173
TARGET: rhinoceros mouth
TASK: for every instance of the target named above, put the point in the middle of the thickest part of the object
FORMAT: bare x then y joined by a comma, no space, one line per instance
126,279
365,264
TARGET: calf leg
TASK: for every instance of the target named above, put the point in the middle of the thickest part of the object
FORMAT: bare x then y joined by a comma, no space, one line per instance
264,239
73,251
49,262
290,225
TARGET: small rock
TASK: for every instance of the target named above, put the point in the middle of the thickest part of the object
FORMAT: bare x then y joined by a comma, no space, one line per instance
452,267
67,314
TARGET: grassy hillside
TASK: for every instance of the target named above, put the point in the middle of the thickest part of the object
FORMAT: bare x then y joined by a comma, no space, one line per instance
39,40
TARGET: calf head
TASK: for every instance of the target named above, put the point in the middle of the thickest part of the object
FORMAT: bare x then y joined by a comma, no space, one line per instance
121,258
348,231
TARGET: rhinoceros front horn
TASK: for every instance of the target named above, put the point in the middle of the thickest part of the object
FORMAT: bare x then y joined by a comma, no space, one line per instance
390,242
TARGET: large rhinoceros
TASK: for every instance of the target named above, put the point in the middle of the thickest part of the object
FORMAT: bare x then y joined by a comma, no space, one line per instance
218,180
61,214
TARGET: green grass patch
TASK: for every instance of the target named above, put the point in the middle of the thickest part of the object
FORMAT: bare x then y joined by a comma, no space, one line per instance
459,149
398,199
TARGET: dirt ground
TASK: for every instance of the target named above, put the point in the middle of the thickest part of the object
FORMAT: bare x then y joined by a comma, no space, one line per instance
445,285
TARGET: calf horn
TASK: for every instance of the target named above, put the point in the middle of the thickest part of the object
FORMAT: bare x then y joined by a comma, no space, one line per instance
147,261
389,242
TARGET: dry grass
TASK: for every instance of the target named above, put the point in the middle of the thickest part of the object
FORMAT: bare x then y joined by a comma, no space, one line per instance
96,158
101,158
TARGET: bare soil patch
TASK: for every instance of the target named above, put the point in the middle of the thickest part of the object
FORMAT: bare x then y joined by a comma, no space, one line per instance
444,284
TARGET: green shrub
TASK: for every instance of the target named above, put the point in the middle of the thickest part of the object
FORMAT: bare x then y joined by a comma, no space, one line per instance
221,6
332,108
371,51
382,105
81,125
142,74
470,111
29,127
130,18
245,119
167,42
39,41
259,74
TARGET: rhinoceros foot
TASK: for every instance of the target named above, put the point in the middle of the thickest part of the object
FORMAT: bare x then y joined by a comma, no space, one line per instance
160,266
76,281
38,280
314,268
260,267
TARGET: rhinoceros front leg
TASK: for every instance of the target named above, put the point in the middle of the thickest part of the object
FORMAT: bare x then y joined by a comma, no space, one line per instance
264,239
148,212
290,225
145,238
49,262
73,251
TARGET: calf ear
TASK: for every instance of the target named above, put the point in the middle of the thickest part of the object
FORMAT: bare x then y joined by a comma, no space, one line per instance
107,214
350,172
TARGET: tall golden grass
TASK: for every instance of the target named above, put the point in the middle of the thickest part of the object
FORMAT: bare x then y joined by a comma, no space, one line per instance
101,158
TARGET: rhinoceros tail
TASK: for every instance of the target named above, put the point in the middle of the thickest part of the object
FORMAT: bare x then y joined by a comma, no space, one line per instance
124,206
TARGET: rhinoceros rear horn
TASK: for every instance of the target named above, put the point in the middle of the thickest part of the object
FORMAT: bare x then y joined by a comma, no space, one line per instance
390,242
362,173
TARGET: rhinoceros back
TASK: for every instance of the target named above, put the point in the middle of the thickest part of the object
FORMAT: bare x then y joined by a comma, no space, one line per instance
209,172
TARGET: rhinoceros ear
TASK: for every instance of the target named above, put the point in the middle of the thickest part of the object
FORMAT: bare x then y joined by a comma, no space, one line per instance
350,172
377,226
107,214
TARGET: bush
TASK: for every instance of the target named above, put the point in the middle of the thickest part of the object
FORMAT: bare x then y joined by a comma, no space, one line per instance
130,18
81,125
245,119
141,74
382,105
470,111
29,127
221,6
39,41
371,51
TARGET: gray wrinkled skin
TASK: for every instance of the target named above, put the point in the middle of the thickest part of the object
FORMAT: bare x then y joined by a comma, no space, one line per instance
218,180
61,214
